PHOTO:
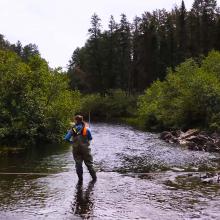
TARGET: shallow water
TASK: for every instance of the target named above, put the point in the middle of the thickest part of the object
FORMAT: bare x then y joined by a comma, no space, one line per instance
139,177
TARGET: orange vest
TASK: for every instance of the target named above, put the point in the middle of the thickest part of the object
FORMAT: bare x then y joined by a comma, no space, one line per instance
84,131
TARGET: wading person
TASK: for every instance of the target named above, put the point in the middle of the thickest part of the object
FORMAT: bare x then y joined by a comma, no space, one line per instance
81,137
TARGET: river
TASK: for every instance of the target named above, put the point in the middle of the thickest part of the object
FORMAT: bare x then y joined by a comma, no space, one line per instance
139,177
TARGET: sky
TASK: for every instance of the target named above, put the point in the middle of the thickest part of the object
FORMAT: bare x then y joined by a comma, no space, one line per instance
58,27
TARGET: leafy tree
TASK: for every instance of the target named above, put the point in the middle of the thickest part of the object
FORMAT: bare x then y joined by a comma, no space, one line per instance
35,103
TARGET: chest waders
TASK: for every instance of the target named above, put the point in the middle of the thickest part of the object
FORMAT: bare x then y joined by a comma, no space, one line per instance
82,153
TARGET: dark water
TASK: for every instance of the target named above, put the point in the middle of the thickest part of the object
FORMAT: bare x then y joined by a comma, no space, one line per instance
139,177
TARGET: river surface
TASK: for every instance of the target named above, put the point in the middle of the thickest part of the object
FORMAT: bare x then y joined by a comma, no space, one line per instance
139,177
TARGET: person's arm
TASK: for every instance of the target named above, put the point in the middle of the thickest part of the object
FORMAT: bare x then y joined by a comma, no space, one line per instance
68,136
89,135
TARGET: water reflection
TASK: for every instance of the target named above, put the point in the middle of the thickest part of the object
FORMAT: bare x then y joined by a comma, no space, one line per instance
38,159
83,203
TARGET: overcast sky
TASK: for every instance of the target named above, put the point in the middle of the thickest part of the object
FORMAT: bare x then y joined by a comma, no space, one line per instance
59,26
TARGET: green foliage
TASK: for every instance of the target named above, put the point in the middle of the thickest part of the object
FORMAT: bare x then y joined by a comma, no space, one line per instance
215,122
189,97
35,103
93,104
212,63
112,105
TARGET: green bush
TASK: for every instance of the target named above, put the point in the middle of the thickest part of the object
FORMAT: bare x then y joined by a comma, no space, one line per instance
189,97
91,104
35,103
114,104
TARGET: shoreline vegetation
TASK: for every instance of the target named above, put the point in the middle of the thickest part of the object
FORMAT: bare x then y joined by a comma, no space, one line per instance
192,90
35,100
160,73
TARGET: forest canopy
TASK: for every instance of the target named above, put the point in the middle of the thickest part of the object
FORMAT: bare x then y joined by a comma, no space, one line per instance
130,56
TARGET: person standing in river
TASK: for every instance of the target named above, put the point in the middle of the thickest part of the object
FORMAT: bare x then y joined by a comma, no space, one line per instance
81,137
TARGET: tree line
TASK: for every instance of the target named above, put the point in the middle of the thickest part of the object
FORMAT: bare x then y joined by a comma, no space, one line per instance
130,56
37,102
24,52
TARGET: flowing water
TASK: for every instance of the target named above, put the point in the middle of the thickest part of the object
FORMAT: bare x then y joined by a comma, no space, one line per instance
139,177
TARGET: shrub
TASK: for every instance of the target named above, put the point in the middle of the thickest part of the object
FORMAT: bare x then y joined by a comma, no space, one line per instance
190,96
112,105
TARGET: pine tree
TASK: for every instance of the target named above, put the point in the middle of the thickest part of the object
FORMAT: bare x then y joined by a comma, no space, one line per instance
17,48
206,10
112,66
150,49
4,44
171,41
136,58
182,37
124,53
29,51
95,58
217,32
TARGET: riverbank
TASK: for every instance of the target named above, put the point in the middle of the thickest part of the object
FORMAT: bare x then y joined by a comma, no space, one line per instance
193,139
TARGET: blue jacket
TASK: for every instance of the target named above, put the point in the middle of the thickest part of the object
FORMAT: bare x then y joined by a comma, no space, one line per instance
79,128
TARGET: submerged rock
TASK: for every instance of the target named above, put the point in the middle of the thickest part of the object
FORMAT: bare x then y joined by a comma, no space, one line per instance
210,178
194,180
